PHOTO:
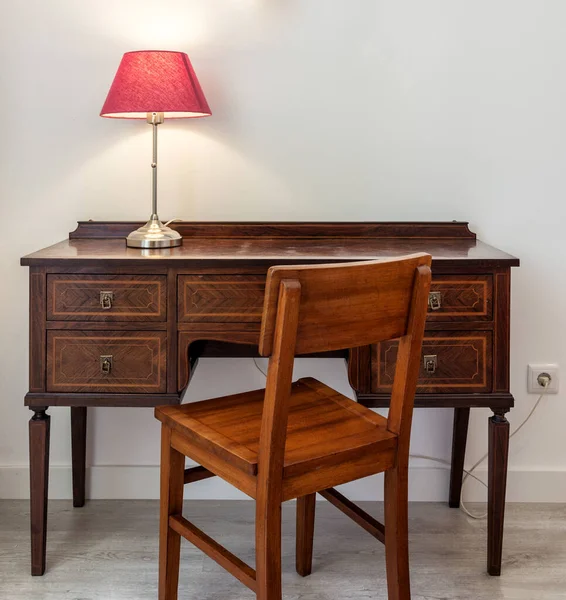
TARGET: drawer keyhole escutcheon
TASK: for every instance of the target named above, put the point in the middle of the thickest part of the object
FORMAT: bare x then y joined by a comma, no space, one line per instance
430,362
106,299
435,300
106,364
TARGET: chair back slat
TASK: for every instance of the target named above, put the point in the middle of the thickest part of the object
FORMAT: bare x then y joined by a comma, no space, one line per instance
344,305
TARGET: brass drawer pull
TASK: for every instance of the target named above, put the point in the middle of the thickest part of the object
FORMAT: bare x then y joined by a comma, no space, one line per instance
106,363
430,362
106,299
435,300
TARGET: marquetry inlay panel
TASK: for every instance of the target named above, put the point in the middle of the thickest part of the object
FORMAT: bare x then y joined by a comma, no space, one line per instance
221,298
463,363
128,297
106,361
460,297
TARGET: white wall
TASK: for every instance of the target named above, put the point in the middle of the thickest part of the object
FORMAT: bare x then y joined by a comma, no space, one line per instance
323,110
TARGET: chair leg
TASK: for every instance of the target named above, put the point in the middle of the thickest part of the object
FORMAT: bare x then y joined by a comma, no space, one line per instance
305,533
397,533
172,483
268,549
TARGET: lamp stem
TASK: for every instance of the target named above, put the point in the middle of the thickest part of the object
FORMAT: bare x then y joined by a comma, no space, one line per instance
155,121
154,234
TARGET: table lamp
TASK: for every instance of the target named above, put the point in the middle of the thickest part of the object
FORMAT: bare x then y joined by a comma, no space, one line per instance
154,85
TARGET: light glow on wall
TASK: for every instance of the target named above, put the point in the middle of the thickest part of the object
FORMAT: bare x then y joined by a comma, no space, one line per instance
143,25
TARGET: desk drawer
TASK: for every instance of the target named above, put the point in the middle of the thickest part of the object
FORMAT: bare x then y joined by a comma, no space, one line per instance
457,362
221,298
461,298
106,297
106,361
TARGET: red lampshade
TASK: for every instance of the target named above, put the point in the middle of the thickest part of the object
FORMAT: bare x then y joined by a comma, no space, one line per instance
155,81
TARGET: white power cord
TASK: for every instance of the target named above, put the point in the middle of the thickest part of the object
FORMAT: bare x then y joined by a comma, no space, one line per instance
543,380
259,368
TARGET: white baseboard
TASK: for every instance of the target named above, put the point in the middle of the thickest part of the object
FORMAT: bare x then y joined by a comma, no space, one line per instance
142,482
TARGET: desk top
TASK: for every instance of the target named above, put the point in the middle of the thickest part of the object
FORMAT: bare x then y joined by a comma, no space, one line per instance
264,244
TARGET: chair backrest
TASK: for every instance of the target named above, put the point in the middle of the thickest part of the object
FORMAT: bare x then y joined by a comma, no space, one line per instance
331,307
344,305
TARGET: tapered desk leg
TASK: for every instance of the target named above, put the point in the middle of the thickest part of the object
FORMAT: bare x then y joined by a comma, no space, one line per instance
39,479
78,447
497,484
459,439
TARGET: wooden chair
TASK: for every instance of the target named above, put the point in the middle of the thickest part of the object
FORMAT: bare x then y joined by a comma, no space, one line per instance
293,440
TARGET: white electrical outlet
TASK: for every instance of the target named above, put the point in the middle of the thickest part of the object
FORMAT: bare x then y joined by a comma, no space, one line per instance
533,373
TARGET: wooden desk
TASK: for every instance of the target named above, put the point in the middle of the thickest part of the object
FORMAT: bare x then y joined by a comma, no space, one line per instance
118,326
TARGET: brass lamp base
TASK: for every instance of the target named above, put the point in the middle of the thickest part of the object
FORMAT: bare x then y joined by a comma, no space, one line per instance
154,235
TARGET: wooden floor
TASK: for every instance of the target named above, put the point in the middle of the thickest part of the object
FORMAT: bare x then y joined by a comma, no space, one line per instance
108,551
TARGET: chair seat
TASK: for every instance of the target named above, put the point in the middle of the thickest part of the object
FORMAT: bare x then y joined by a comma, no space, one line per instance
324,428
